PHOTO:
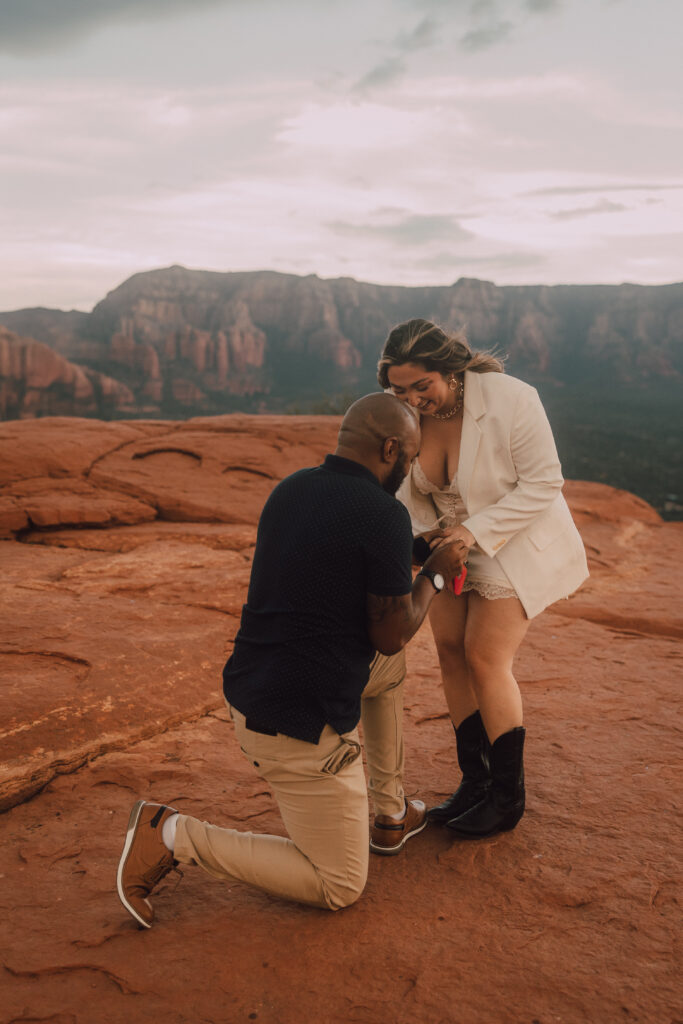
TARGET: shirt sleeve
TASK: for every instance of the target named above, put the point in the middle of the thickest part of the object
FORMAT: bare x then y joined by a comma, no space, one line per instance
388,553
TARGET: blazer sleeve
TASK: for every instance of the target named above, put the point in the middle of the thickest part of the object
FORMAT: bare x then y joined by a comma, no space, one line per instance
539,478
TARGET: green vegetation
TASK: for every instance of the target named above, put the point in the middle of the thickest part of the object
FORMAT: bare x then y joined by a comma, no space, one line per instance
629,437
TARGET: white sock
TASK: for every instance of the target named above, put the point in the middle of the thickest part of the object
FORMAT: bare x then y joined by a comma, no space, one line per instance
168,832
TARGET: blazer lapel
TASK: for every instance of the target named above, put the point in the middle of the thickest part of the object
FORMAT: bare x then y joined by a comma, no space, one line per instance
474,409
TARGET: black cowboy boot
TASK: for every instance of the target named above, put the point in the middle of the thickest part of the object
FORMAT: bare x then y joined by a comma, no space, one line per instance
503,806
473,758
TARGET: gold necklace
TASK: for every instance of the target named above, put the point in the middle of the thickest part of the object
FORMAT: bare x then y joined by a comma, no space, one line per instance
455,385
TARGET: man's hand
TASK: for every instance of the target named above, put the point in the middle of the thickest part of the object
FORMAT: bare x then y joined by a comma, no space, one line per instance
392,621
421,549
448,559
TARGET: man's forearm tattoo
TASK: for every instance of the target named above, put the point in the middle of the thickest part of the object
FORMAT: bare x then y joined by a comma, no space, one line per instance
380,608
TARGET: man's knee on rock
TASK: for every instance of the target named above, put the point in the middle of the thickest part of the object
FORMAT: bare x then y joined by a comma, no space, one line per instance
338,896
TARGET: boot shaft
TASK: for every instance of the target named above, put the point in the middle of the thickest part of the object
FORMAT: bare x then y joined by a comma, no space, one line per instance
473,748
507,763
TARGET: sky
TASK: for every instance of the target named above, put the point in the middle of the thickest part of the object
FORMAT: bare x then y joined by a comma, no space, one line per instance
406,142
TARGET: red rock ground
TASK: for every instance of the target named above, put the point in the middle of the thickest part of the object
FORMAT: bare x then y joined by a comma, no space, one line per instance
124,569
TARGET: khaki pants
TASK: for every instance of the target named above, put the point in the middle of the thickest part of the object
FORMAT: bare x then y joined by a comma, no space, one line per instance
321,792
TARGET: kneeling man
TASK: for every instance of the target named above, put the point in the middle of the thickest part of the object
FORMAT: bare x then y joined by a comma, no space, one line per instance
331,584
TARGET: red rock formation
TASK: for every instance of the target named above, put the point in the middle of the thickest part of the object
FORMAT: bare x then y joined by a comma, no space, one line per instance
281,337
53,327
120,600
36,381
629,333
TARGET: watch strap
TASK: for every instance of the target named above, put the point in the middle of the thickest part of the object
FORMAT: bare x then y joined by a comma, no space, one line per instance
430,576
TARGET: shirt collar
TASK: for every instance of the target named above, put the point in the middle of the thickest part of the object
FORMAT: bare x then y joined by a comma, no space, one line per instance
337,464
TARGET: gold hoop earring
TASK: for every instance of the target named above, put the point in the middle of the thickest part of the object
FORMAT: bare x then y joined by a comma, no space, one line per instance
454,385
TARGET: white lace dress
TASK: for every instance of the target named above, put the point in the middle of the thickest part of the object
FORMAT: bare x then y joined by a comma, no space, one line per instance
484,574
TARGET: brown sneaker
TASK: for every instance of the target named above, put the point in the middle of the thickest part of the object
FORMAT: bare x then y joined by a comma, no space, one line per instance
145,859
389,836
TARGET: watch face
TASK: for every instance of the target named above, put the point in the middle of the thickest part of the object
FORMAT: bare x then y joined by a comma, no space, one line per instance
439,581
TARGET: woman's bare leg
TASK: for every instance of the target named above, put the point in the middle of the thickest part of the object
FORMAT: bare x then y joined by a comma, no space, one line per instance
493,632
448,618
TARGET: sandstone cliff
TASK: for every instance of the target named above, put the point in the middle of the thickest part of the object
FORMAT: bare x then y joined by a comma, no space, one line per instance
190,341
60,330
36,381
608,360
333,329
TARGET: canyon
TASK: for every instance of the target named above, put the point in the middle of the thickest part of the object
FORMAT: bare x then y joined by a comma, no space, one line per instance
175,343
192,342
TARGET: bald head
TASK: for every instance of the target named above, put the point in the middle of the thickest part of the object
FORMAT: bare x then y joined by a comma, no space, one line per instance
382,434
375,418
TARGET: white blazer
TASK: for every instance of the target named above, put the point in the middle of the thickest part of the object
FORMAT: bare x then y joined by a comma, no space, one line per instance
510,479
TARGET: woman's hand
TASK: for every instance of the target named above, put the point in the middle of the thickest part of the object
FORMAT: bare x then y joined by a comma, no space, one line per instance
458,535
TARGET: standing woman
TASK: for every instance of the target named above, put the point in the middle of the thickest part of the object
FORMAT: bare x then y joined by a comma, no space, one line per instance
489,477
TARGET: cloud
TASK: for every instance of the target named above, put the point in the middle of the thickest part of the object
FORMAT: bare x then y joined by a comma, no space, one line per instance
486,28
505,260
394,67
346,130
578,190
228,139
466,265
483,8
390,70
27,26
423,36
494,28
602,206
408,229
482,38
542,6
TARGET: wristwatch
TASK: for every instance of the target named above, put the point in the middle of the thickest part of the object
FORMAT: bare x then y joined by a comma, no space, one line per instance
435,578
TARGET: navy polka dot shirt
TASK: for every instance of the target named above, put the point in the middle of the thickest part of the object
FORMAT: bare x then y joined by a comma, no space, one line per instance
327,536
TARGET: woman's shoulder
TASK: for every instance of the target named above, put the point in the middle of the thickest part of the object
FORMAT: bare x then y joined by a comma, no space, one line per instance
502,383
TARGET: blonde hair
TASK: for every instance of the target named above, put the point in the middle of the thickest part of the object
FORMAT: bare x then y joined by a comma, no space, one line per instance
423,342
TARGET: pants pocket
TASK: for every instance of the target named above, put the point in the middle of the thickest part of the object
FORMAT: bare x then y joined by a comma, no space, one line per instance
345,754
